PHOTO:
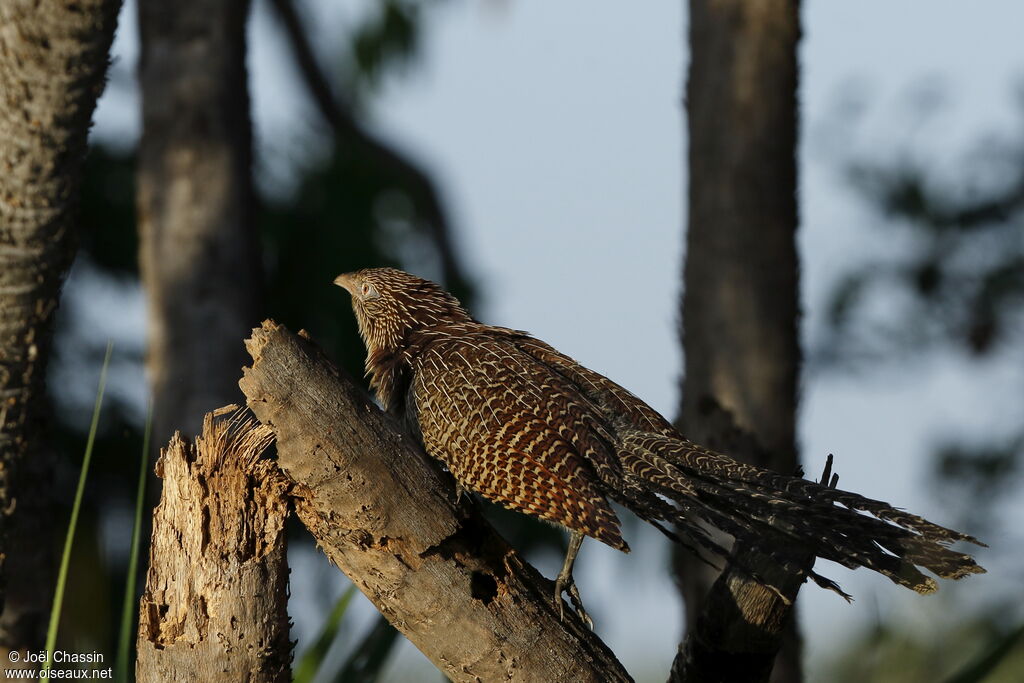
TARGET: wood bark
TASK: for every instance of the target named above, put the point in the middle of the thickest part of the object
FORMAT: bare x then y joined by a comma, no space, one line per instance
386,515
53,58
215,603
199,255
740,309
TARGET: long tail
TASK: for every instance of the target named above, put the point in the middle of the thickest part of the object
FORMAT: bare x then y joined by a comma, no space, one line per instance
759,506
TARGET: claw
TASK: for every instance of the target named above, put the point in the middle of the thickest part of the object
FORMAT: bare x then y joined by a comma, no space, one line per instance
559,603
577,603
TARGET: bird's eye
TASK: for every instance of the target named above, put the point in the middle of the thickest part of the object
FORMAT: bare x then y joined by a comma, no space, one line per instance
369,291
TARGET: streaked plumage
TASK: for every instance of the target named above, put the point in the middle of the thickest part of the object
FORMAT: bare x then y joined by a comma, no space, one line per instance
528,427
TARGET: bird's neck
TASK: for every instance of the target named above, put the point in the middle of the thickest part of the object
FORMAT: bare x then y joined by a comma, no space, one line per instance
391,369
387,371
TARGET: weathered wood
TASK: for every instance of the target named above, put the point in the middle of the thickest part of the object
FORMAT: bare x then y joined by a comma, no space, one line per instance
215,604
385,514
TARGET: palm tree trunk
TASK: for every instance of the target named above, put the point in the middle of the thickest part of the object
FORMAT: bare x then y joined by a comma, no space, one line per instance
53,60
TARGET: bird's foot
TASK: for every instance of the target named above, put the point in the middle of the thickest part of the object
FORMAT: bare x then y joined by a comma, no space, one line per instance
566,584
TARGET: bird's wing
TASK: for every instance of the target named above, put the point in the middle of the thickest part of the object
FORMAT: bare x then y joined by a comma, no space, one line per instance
616,403
506,427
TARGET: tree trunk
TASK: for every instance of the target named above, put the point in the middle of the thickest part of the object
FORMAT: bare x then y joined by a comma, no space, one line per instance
199,254
387,516
740,309
53,58
215,604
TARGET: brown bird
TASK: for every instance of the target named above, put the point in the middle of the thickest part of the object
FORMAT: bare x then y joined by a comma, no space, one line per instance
528,427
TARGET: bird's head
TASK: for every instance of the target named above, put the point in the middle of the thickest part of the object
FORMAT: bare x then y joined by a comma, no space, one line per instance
390,303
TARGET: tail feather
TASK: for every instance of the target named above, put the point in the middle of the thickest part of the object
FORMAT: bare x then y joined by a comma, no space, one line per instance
848,551
695,539
654,510
758,506
691,456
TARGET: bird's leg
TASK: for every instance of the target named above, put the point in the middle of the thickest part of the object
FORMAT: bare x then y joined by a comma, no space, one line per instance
565,582
460,490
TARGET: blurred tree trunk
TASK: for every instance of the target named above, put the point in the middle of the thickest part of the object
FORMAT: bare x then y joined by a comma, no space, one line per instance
740,308
199,253
215,604
53,59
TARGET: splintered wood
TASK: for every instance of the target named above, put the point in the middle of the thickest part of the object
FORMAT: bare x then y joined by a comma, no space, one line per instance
215,601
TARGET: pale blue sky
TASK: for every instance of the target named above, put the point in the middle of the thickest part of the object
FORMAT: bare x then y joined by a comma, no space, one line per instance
556,131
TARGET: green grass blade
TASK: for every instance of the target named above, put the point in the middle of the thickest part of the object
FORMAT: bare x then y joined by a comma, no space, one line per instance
370,656
128,613
313,657
62,574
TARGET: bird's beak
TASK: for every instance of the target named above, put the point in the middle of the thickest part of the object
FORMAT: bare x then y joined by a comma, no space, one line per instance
346,281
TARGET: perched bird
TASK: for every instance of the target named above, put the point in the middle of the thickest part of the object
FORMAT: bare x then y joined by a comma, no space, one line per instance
530,428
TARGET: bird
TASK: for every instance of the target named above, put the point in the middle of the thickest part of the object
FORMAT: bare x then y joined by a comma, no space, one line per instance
526,426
